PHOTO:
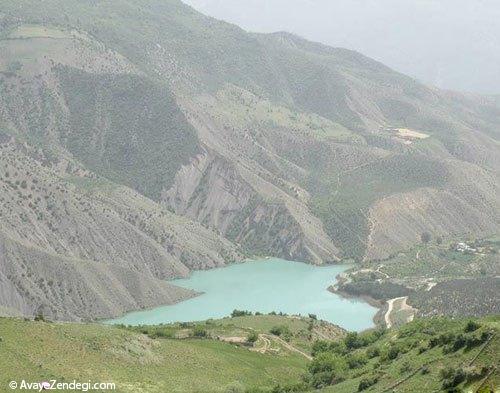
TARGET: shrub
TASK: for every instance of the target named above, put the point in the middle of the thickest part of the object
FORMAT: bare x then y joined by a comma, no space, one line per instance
352,340
425,237
365,383
322,379
452,377
373,352
161,333
391,353
356,360
39,317
329,363
471,326
280,331
200,332
252,337
320,346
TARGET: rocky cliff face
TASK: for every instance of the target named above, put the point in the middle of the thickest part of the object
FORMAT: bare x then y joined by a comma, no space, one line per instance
81,247
212,192
63,288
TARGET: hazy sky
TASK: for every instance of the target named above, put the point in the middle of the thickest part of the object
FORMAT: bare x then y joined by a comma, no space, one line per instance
452,44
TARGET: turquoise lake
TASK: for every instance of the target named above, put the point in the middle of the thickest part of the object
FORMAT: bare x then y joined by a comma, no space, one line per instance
264,286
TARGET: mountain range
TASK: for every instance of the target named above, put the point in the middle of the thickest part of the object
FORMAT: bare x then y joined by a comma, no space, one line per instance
141,140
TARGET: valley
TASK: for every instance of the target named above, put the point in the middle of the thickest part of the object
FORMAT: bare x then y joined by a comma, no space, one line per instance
186,206
186,143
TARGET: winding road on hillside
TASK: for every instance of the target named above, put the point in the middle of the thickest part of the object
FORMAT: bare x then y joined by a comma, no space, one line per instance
267,339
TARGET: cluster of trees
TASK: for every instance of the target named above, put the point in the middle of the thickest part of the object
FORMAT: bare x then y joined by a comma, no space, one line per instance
453,342
351,341
240,313
453,377
332,360
244,313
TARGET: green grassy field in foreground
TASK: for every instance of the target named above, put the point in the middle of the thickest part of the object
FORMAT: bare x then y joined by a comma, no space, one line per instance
136,363
422,356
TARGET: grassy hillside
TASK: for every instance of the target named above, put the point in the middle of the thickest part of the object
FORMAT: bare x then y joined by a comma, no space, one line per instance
137,363
428,355
424,356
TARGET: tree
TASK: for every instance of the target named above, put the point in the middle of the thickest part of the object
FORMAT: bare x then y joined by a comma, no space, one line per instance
240,313
352,340
425,237
14,66
471,326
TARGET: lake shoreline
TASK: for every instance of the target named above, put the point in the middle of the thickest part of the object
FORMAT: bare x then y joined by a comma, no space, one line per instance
378,318
264,285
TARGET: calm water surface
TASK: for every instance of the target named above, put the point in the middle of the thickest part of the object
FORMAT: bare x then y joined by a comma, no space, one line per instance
265,286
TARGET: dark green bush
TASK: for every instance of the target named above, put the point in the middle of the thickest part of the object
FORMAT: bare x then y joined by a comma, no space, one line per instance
280,331
365,383
200,332
252,337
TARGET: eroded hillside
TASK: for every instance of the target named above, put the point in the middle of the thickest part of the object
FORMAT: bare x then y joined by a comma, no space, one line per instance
164,141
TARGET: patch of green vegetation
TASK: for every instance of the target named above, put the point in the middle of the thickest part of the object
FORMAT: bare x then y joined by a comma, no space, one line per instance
427,355
245,110
142,138
38,31
264,323
92,184
436,275
342,201
247,330
439,260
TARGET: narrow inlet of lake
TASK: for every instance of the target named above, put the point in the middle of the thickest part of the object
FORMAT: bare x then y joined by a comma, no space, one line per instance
264,286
